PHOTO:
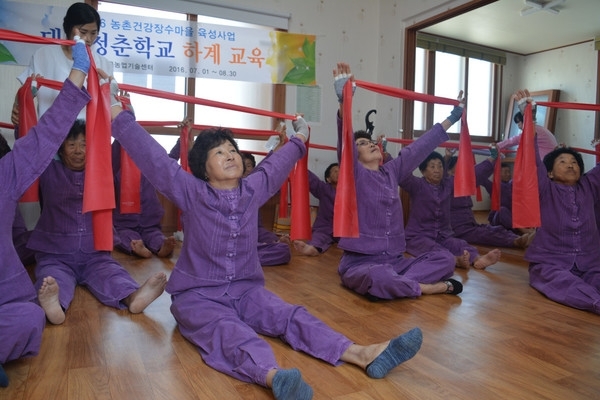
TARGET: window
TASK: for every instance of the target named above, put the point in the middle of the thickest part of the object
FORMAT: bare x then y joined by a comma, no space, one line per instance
148,108
449,79
445,74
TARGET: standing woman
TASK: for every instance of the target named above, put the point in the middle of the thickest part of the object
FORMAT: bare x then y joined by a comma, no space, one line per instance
21,319
55,62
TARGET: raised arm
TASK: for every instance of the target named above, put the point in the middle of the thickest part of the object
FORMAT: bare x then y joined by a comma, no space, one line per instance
175,152
32,153
165,174
456,113
341,74
413,154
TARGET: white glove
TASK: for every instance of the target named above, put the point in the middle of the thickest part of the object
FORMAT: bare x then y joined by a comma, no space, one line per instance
34,87
338,85
300,127
522,103
272,143
114,93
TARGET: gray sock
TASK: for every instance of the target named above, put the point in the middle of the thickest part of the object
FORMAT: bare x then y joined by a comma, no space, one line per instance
3,377
289,385
400,349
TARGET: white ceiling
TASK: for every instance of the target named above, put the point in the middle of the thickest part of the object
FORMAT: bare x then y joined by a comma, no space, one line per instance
499,25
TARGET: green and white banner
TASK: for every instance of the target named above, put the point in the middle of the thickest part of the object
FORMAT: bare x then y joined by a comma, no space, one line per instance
136,44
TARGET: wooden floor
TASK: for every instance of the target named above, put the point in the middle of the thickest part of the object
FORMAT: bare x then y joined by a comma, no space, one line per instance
499,339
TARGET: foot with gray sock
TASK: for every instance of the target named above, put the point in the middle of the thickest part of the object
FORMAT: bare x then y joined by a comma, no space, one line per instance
289,385
400,349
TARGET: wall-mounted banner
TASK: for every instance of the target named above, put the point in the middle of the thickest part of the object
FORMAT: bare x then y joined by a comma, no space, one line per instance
145,45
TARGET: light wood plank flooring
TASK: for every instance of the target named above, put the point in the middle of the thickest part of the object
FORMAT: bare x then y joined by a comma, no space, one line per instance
500,339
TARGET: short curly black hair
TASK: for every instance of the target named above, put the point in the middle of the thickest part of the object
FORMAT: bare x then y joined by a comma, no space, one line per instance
249,156
433,156
77,129
362,134
518,118
207,140
329,168
553,155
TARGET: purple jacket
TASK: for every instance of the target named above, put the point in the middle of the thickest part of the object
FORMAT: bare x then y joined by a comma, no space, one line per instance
19,169
151,209
461,208
380,214
219,254
569,233
63,227
326,195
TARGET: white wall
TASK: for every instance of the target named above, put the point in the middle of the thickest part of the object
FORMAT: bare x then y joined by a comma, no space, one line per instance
573,71
369,35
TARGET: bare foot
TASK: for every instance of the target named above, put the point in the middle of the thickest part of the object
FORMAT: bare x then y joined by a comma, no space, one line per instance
147,293
492,257
285,239
138,247
433,288
524,240
167,247
48,298
305,249
463,261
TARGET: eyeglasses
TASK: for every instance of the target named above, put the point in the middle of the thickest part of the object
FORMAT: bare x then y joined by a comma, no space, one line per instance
362,143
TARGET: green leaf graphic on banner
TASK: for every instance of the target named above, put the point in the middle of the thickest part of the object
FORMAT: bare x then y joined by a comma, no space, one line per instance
303,71
6,55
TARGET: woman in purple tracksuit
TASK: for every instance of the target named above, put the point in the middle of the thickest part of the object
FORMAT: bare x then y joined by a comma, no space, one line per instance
21,318
463,221
139,233
63,240
217,286
322,229
374,264
564,256
428,225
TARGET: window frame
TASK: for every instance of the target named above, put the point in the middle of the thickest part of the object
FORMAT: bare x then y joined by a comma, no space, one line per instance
278,95
430,64
410,43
